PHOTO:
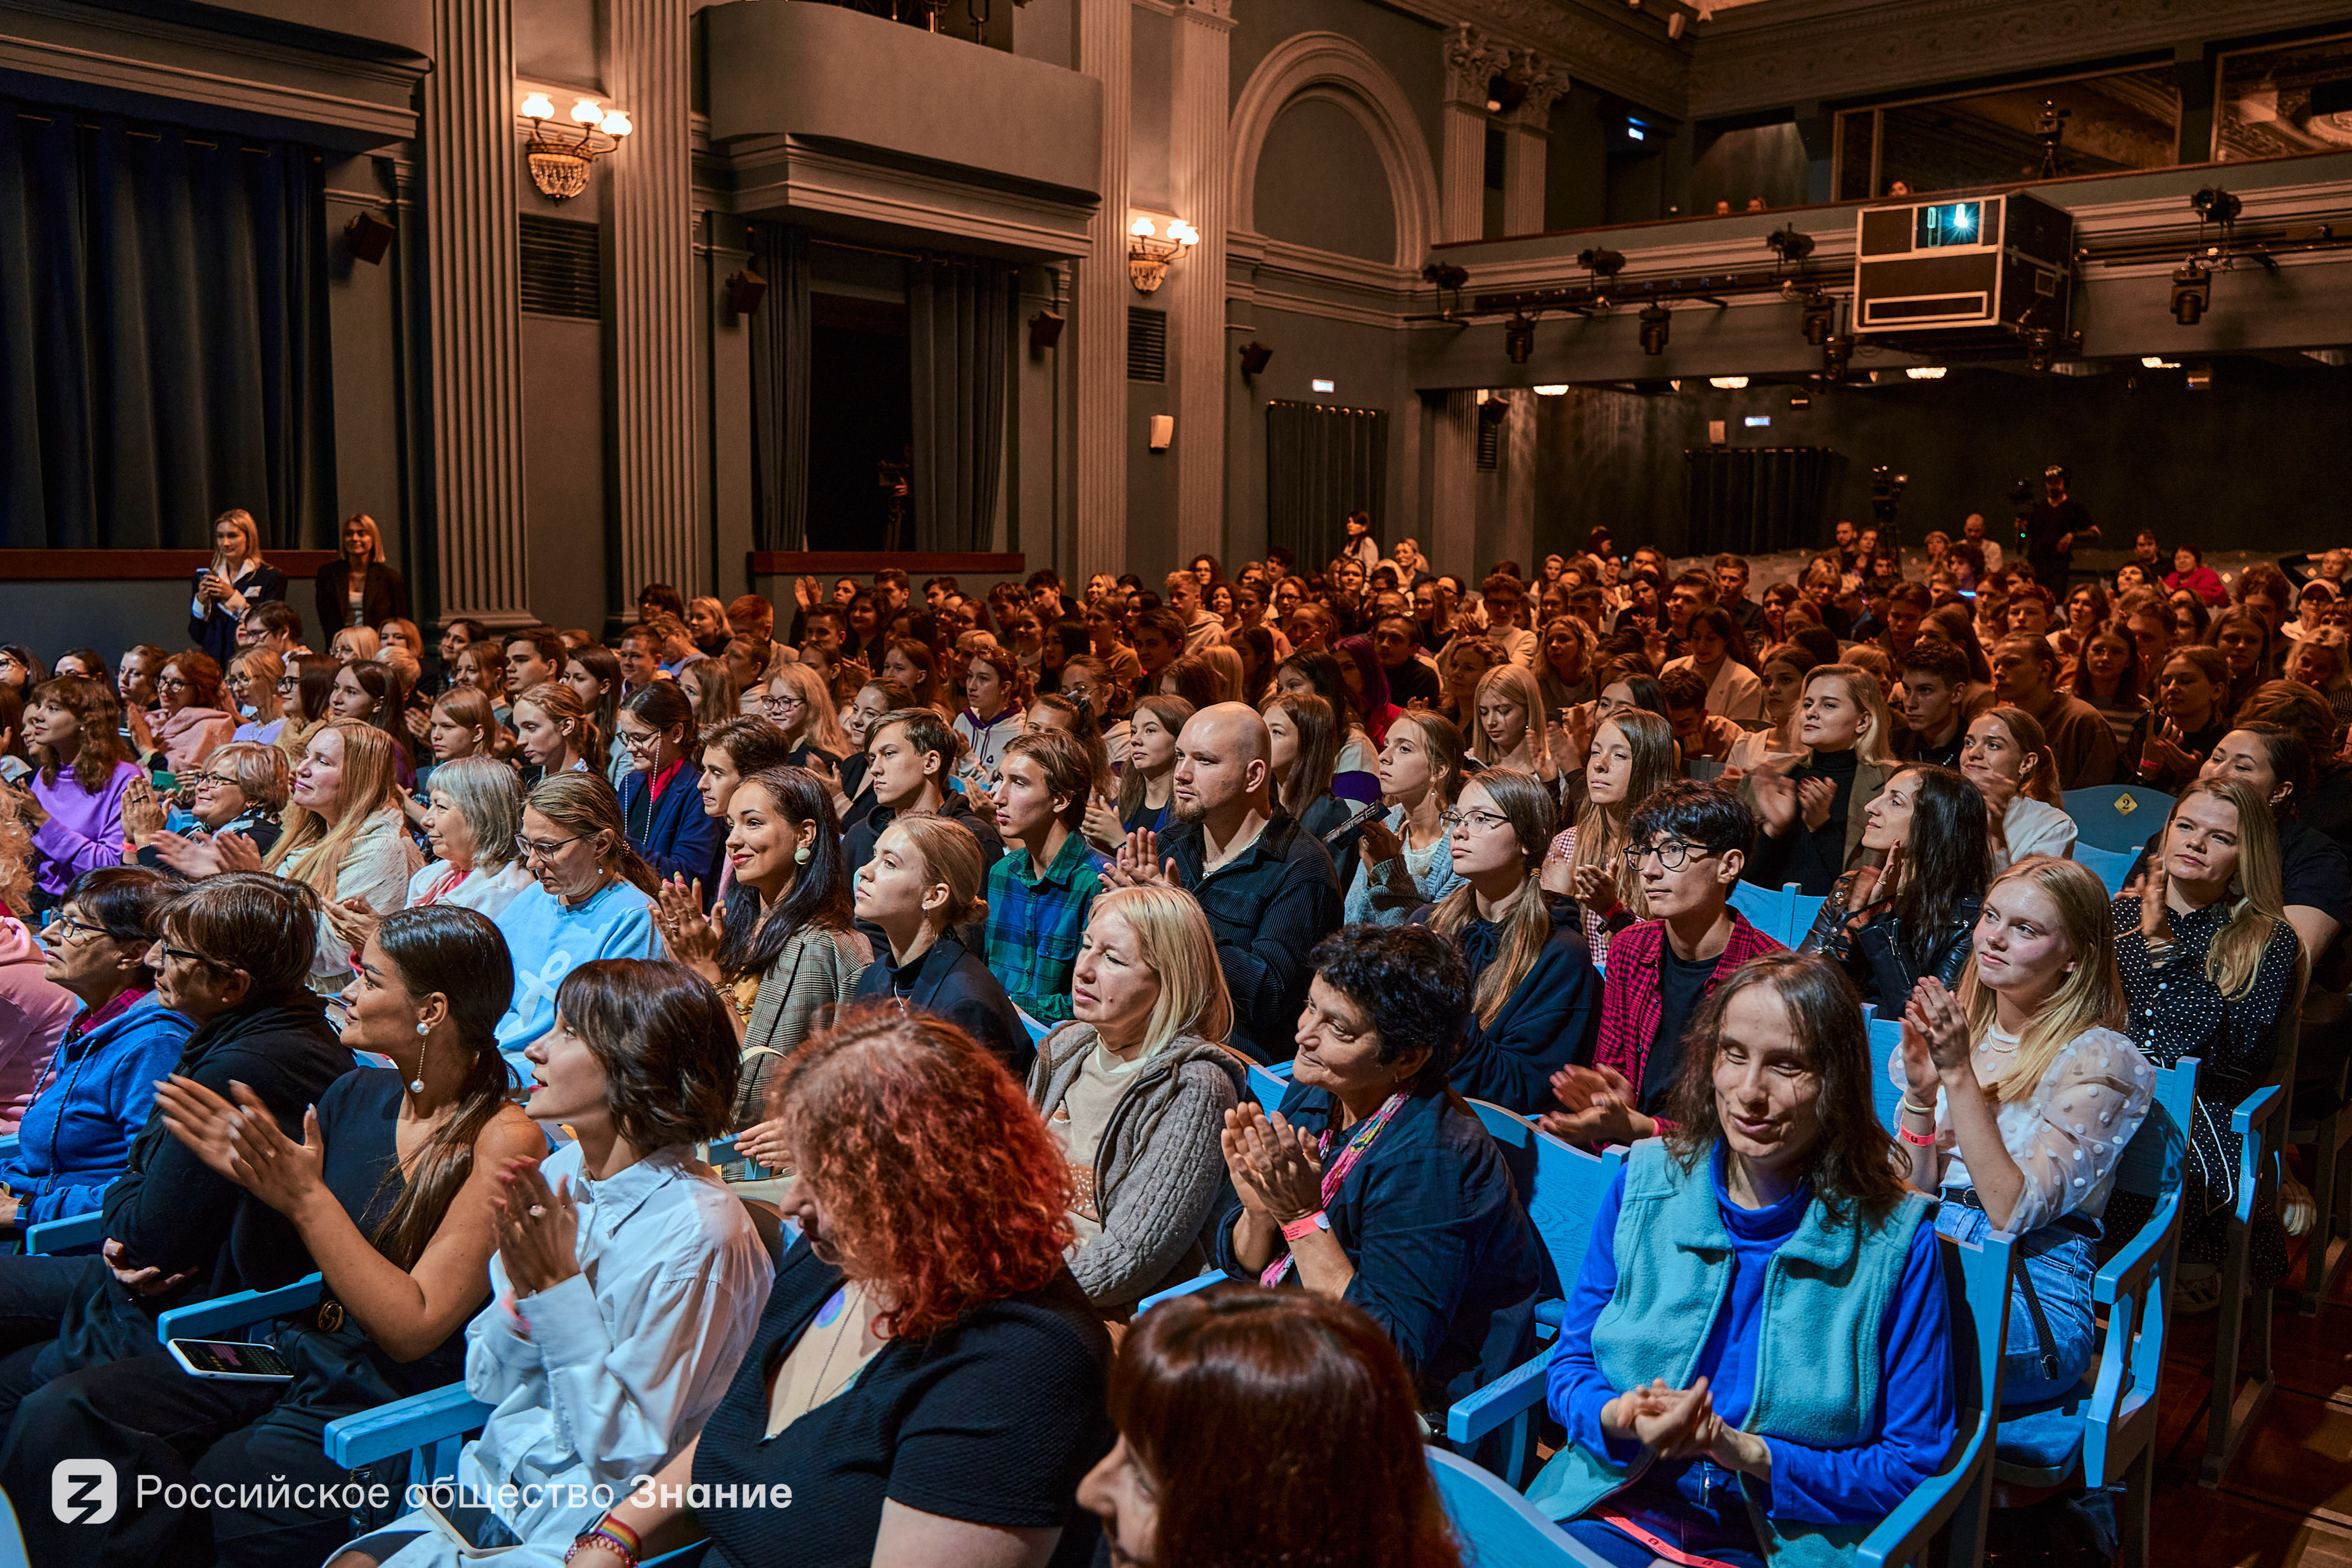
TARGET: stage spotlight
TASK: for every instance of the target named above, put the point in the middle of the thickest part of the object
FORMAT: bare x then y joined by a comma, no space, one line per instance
2216,205
1601,263
1655,319
1520,339
1444,276
1821,315
2041,349
1789,245
1837,353
2193,293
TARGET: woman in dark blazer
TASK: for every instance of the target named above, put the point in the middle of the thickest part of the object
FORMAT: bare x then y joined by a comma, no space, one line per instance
236,581
661,798
382,595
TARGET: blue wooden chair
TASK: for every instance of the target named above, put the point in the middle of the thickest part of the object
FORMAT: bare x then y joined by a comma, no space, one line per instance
12,1540
1039,1028
80,1233
1500,1527
2114,866
1886,1039
2107,1425
2116,818
2260,1120
1784,916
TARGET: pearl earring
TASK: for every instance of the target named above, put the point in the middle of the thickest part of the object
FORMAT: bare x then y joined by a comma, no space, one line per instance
417,1084
801,855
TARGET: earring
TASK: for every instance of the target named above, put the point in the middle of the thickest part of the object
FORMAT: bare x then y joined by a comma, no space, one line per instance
801,855
417,1084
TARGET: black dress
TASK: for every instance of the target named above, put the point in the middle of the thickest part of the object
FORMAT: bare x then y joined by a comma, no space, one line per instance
994,1420
2176,1013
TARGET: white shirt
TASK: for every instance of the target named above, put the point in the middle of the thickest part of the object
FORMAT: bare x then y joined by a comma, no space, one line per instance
1736,691
633,1353
484,891
376,866
2032,827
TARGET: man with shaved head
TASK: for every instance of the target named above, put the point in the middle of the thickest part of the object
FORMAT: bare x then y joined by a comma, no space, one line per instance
1266,884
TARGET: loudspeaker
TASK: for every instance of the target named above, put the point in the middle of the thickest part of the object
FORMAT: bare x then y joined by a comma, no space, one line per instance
1256,356
1163,431
1045,329
367,237
745,290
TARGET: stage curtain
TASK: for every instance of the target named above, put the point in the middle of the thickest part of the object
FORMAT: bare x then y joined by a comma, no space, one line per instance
779,389
959,333
1321,464
1756,500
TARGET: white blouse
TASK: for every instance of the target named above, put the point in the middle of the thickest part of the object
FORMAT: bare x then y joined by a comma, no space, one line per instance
1737,692
482,891
2069,1135
2032,827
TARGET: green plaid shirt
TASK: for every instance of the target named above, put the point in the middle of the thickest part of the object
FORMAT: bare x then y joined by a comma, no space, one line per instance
1034,923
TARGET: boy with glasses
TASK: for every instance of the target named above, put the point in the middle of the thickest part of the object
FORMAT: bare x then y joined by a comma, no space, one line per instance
1688,843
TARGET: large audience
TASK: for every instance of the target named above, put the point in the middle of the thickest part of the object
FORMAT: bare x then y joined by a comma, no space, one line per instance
964,926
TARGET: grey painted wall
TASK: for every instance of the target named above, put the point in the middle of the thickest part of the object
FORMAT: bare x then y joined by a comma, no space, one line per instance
565,534
363,306
1767,161
2234,467
1320,181
1409,49
1151,57
1576,185
50,617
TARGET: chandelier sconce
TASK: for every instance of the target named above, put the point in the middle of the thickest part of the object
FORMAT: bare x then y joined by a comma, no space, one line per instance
560,160
1149,256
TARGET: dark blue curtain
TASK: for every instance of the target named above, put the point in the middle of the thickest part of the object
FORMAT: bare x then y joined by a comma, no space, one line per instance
162,336
1321,464
779,389
1755,500
959,335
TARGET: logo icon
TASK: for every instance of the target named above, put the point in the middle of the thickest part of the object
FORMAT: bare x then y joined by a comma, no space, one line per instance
81,1492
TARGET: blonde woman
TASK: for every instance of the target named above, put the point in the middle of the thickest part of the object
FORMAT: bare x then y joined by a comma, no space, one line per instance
1406,856
710,687
355,645
554,731
237,579
357,588
1535,999
2021,1095
1507,727
252,686
2005,755
800,703
1135,1089
1632,759
344,836
1812,810
472,822
707,624
2210,966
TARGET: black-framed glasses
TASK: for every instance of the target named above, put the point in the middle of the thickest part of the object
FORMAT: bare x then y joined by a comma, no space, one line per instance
1485,821
1673,855
532,849
82,930
170,684
635,743
198,780
188,956
774,704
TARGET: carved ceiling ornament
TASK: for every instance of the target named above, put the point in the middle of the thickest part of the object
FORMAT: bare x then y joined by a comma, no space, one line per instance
1472,61
1574,37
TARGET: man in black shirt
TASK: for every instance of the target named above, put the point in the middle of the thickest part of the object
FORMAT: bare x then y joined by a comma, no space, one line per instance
1409,676
1934,706
2053,529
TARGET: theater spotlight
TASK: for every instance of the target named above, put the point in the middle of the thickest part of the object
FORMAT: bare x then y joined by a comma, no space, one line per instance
367,237
1789,245
1045,329
2041,349
1444,276
1655,319
2216,205
745,290
1821,315
2193,293
1520,339
1601,263
1837,353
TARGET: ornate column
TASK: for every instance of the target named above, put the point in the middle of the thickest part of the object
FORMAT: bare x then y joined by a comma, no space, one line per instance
1098,317
1527,136
1198,137
1471,62
475,313
649,197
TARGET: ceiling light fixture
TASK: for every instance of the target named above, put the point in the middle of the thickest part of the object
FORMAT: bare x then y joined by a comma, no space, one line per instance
1925,373
1726,384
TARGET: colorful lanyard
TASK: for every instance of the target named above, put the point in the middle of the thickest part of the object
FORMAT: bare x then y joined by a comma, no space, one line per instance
1334,1172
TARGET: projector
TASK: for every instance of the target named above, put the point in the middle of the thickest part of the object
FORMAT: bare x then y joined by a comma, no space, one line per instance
2001,262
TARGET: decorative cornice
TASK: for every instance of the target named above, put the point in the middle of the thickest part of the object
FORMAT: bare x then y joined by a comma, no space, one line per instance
1546,83
1615,49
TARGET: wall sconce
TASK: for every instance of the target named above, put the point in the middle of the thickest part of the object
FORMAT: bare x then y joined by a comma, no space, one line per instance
559,162
1149,257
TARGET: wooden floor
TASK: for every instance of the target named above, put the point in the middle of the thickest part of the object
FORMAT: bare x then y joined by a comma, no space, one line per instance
2287,1501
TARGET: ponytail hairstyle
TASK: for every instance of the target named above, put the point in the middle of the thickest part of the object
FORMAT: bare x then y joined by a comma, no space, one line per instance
562,706
585,804
1527,920
460,955
1309,778
952,855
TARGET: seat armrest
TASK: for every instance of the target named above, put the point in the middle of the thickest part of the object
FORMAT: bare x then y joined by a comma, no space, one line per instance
1197,1282
222,1314
404,1424
1903,1535
2263,1107
1504,1400
2127,1272
57,1235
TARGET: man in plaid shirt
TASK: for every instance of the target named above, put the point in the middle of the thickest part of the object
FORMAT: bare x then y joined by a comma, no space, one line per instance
1039,892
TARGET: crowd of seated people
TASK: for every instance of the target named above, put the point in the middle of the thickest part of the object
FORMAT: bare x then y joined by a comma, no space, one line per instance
968,926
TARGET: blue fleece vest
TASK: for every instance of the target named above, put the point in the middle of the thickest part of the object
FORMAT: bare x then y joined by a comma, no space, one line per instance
1817,1370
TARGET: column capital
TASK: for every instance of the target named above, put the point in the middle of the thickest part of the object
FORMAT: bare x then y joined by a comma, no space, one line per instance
1547,84
1471,60
1217,14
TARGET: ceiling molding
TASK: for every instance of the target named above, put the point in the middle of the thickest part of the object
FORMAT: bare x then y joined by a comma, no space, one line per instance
1606,46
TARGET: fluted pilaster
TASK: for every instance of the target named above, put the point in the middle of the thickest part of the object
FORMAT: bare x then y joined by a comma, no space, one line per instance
1452,542
1098,322
1528,131
1198,137
474,314
649,196
1471,62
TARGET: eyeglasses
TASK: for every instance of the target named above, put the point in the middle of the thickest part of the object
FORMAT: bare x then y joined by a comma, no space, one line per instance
1673,855
634,743
771,704
199,781
82,930
170,684
1485,821
187,955
532,849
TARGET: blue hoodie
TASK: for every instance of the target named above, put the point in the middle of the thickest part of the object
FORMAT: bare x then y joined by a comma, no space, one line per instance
97,1095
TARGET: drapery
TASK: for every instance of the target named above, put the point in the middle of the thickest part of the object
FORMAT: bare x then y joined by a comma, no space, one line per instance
164,335
779,389
1321,464
960,332
1756,500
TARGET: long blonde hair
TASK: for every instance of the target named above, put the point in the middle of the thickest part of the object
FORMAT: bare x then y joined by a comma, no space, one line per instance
1521,688
375,535
1182,950
2093,994
252,530
1875,743
368,785
2257,905
1601,830
822,726
1526,921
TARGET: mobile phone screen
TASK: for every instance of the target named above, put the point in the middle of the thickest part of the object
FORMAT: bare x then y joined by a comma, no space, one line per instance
232,1358
473,1526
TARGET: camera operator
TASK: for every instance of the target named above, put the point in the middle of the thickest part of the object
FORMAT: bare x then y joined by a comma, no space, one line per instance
2054,526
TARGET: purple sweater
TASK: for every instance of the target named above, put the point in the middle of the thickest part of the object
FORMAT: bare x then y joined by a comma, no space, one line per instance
84,831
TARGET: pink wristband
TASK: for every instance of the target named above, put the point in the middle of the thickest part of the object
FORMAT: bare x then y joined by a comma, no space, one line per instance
1305,1226
1922,1140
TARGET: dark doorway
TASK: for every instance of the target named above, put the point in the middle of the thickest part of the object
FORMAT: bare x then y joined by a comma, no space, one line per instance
861,416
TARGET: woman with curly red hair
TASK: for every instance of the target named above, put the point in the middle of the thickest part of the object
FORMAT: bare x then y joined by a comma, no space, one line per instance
927,1380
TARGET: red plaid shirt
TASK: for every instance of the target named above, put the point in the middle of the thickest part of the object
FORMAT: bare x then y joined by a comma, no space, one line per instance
1630,1002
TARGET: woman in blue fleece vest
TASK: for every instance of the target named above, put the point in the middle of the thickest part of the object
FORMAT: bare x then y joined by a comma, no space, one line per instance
1754,1363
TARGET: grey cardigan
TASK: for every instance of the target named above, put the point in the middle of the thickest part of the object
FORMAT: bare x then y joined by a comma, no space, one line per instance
812,979
1159,1175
